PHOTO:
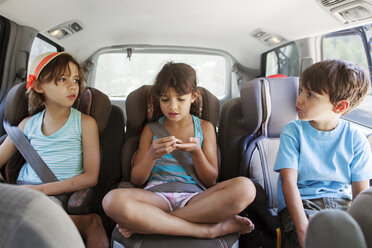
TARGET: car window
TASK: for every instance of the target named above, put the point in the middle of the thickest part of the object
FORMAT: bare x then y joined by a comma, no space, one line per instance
345,47
283,60
117,75
40,46
351,45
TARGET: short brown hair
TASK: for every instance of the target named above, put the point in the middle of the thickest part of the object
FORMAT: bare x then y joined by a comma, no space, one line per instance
52,72
341,80
179,76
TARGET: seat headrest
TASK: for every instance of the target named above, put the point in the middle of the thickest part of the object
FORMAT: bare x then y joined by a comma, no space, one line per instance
92,102
16,104
269,103
360,210
138,106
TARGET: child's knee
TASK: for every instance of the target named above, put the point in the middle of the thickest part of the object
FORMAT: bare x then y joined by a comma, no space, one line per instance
112,199
117,202
245,184
244,191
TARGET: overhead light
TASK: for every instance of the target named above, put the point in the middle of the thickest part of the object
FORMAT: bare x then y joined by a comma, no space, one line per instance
348,11
273,39
266,38
65,29
57,33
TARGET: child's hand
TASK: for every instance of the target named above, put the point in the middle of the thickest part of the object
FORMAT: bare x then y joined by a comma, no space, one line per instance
191,145
162,146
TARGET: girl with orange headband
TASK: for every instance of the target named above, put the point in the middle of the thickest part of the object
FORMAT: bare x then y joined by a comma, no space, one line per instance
66,139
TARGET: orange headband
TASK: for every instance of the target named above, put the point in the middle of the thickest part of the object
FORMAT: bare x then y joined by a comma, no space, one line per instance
41,65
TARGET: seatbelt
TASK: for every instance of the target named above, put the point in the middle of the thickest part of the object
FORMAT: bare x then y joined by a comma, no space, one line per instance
32,157
160,131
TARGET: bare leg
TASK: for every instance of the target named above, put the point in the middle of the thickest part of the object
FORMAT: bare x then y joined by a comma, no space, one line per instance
91,229
140,211
223,201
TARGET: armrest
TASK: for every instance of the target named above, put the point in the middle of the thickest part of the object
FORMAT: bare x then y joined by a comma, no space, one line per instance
80,201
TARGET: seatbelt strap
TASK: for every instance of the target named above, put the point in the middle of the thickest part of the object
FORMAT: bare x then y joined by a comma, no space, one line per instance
29,153
160,131
32,157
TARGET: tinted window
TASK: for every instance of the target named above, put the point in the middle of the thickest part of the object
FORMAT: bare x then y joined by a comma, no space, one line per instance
283,60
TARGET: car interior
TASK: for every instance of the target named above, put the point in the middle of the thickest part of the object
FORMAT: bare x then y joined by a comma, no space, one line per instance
248,56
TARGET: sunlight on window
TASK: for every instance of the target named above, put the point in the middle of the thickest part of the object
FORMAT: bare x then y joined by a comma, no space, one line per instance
117,76
39,46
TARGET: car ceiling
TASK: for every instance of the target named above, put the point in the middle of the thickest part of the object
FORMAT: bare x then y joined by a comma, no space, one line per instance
218,24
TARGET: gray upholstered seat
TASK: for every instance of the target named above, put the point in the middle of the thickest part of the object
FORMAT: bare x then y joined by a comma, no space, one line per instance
268,104
249,132
336,228
137,106
30,219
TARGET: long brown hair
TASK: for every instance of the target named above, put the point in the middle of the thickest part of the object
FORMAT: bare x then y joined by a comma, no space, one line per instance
54,70
179,76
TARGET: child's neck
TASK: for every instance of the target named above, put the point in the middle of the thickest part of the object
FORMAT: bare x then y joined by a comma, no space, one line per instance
182,129
178,124
325,125
54,119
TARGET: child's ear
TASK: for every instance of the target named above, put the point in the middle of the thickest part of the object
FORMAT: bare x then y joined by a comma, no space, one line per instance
341,107
195,96
36,86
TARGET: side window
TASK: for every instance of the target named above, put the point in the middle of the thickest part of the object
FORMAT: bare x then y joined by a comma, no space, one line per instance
282,60
117,75
347,46
352,45
42,45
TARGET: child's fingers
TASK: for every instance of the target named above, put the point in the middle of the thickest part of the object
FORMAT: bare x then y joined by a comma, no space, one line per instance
187,146
164,145
193,140
165,139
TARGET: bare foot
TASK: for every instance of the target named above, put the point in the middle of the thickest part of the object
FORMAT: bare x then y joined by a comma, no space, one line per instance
236,224
125,232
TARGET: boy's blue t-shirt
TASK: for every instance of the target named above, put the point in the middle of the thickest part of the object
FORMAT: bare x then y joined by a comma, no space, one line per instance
327,161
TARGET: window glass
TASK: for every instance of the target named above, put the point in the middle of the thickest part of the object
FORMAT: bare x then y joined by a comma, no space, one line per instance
39,46
283,60
117,75
350,47
345,47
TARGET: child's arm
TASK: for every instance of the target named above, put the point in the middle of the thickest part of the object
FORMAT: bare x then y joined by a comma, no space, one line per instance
148,152
358,187
205,157
7,148
294,203
91,162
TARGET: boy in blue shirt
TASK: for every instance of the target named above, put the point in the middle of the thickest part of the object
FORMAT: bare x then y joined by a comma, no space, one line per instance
323,161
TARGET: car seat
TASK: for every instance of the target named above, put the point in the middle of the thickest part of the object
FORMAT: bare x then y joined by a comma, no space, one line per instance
249,133
138,106
96,104
337,228
30,218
